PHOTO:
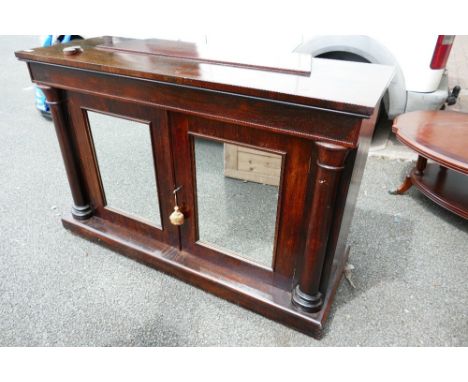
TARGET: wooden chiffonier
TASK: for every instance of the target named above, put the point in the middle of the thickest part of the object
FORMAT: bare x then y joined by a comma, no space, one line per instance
143,127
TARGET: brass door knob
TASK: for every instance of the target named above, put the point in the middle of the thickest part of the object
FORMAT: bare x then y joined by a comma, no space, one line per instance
177,217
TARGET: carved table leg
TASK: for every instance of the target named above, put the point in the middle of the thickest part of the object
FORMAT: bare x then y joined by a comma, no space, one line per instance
81,209
405,186
408,183
330,162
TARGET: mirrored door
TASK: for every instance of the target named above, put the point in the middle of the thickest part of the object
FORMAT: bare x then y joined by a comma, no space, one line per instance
237,210
236,184
126,154
126,166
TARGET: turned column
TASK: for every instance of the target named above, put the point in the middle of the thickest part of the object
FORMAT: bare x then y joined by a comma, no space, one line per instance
80,209
330,163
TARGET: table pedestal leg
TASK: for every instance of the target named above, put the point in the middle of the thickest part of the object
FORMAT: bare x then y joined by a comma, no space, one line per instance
421,165
408,183
405,186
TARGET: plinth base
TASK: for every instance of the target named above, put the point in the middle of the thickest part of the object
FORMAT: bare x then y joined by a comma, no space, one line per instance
82,212
306,302
270,298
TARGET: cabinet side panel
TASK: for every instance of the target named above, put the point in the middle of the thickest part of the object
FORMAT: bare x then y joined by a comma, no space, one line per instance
346,202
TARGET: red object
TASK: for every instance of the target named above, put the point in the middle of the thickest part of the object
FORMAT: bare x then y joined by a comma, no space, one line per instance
442,51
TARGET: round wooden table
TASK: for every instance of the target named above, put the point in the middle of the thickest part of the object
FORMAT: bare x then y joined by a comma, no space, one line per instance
442,137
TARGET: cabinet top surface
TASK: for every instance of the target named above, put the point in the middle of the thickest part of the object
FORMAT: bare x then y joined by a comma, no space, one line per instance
348,87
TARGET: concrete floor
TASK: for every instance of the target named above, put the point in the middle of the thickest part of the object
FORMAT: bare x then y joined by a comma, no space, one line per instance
410,258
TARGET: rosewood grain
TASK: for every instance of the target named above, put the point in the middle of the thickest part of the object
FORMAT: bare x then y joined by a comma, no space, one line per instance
320,124
259,113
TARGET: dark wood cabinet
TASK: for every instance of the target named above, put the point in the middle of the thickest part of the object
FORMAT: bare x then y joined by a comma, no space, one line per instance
183,104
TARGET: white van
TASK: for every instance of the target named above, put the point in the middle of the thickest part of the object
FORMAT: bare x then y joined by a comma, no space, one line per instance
420,82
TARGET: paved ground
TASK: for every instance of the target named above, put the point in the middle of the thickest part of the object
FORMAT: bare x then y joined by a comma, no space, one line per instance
410,257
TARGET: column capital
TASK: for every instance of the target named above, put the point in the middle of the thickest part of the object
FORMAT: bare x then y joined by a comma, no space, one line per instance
331,156
53,95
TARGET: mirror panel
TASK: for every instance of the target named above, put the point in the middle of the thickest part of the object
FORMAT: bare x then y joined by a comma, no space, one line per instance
237,198
125,160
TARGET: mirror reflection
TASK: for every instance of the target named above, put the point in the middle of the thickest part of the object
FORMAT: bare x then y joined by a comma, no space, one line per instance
124,155
237,198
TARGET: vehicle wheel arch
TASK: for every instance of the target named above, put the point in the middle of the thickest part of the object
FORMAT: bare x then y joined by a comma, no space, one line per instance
369,50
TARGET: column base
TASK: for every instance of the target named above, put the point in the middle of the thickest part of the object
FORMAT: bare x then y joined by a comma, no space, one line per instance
81,212
306,302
